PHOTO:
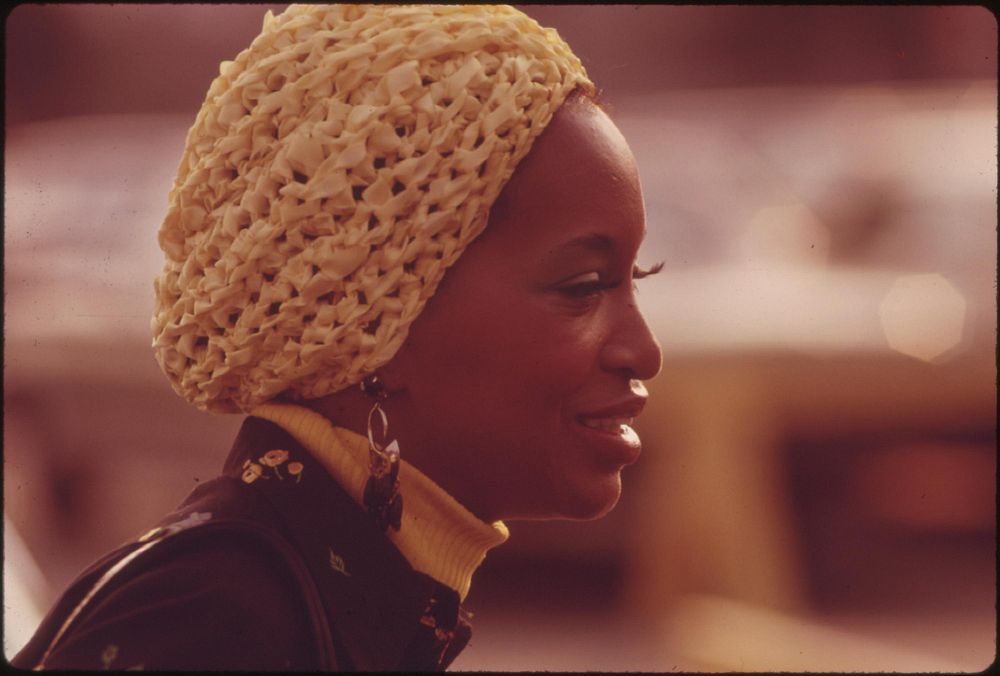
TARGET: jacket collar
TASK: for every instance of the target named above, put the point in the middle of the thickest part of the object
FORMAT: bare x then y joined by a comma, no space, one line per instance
438,535
386,614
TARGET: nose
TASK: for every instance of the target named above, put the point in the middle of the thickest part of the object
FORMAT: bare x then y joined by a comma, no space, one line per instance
631,348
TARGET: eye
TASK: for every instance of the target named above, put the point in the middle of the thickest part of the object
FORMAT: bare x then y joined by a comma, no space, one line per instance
583,286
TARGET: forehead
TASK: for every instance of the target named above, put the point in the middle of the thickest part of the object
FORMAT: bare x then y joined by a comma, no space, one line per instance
579,181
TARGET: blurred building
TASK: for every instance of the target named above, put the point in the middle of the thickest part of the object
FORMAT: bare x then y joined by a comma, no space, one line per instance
817,490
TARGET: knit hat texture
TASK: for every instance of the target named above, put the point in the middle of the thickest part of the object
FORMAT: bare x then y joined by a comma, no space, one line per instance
337,168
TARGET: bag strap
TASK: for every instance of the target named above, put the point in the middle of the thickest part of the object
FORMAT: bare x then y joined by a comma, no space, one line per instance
317,614
100,584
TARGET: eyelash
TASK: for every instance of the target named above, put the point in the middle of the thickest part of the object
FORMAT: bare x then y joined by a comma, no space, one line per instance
586,290
641,273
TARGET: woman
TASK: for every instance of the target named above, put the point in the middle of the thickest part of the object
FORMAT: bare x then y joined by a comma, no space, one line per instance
397,415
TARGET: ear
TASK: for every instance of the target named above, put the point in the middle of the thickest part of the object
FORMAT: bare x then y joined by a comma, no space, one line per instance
398,371
392,377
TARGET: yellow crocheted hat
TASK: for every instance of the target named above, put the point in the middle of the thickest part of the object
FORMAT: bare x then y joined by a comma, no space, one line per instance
338,167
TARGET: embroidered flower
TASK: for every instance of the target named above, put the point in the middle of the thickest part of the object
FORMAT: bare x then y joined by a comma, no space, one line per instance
272,459
252,472
192,519
109,655
337,563
429,617
295,469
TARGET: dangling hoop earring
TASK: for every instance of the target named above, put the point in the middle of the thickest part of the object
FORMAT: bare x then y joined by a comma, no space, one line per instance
381,498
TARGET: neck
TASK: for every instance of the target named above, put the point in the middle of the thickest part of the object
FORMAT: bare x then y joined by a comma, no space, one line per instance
437,534
349,410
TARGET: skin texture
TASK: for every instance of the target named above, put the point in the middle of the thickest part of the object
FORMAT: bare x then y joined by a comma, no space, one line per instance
535,326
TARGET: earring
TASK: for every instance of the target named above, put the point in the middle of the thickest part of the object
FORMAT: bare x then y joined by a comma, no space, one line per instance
381,498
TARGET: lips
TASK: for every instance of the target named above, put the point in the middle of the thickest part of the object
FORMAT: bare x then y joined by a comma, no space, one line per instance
621,412
606,424
609,430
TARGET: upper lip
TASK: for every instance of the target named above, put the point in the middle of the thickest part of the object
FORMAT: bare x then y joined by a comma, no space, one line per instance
630,407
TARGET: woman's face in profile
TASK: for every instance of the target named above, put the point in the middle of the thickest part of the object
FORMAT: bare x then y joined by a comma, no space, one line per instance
519,377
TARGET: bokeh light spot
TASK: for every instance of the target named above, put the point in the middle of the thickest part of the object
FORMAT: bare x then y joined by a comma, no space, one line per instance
923,316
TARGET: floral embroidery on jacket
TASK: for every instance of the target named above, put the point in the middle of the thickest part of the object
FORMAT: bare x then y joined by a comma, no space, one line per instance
273,459
252,471
337,563
110,654
192,519
430,619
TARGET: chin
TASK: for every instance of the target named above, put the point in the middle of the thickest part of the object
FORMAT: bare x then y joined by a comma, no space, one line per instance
584,499
594,501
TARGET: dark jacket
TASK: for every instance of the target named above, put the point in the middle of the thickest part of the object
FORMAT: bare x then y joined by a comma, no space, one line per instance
269,566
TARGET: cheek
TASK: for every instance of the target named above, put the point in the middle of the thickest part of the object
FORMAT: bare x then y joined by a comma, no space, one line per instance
529,353
487,350
521,367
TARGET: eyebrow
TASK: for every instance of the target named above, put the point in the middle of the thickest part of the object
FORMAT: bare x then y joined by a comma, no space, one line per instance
594,242
603,244
583,245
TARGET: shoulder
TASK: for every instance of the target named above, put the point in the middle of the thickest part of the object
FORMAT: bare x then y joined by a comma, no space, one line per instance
214,599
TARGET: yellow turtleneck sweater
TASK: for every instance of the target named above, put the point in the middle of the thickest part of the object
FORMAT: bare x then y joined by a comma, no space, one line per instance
437,535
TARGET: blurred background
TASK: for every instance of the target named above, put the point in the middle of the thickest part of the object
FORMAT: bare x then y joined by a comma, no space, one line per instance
818,484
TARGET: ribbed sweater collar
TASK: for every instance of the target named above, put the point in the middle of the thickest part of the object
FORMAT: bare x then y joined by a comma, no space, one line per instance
437,535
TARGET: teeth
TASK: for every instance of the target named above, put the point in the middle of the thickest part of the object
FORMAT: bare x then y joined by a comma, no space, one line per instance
607,424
